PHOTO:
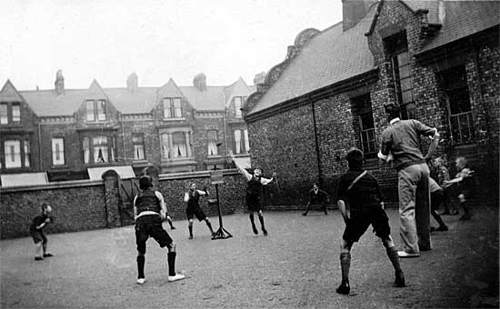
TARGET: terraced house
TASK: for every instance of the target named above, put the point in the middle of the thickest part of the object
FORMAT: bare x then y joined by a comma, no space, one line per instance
439,60
64,132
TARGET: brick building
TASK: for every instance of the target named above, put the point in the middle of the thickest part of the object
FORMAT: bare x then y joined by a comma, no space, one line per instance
439,60
175,128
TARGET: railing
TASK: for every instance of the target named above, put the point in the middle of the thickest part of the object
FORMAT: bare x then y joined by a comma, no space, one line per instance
462,128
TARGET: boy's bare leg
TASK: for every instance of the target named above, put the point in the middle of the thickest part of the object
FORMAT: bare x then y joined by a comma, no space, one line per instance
392,253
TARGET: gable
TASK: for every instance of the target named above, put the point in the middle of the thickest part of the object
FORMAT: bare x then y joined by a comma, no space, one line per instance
9,93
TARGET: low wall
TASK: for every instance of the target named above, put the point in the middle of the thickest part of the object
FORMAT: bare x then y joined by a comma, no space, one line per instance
86,205
78,205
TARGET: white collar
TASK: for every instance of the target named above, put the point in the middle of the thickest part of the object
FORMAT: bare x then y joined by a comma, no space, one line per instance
393,121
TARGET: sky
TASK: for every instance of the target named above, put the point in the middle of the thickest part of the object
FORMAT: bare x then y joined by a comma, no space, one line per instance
109,39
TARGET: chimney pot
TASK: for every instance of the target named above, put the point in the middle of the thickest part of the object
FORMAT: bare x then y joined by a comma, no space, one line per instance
200,82
59,83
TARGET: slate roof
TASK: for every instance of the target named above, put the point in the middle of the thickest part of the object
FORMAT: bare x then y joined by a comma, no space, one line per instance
333,56
141,100
464,18
330,57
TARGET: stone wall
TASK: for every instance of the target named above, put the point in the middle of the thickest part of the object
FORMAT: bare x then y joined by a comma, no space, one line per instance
86,205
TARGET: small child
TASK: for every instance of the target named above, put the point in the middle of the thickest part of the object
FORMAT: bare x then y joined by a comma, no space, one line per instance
465,184
149,212
360,202
192,198
36,231
441,175
437,198
317,197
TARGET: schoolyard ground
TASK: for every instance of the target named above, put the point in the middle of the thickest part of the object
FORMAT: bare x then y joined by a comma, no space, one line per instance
297,265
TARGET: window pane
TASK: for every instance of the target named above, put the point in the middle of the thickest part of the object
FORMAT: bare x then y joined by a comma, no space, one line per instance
178,107
179,144
12,154
27,153
86,150
100,149
101,110
237,141
90,111
406,83
165,151
58,151
404,71
403,58
16,113
3,114
138,152
237,106
167,108
247,142
407,97
138,141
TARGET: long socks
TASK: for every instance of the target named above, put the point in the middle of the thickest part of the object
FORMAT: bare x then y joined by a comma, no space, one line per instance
392,253
171,263
261,219
253,224
210,227
345,263
140,266
190,227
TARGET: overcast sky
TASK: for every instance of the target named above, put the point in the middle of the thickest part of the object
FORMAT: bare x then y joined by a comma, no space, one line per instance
109,39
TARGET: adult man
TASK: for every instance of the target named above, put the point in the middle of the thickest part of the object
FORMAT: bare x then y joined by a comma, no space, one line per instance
400,142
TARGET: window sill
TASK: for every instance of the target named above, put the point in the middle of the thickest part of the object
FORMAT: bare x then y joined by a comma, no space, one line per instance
59,167
174,119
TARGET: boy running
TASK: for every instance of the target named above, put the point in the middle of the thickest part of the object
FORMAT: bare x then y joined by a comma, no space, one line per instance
36,231
192,198
149,212
360,202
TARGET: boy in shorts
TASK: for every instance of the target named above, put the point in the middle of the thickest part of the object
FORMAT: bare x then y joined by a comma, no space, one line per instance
192,198
360,202
149,212
36,231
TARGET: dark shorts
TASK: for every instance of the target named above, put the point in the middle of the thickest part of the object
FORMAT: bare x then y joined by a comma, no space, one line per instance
253,203
359,223
38,236
150,226
195,211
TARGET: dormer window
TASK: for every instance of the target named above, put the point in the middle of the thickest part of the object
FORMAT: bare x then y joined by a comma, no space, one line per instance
172,108
10,113
238,103
96,110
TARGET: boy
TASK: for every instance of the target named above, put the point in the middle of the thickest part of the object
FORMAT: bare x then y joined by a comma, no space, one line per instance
149,212
192,198
465,184
360,202
317,197
254,194
36,231
441,174
437,198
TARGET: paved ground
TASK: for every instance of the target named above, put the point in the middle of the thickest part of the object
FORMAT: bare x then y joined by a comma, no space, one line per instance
295,266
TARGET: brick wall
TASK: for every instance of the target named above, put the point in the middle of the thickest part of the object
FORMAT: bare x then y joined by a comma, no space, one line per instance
286,139
85,205
285,143
77,206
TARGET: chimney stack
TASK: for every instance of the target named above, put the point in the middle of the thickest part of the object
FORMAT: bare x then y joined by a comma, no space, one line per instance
200,82
353,11
132,82
59,83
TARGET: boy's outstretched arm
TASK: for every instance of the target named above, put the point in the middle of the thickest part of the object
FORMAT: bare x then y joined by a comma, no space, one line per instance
243,171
